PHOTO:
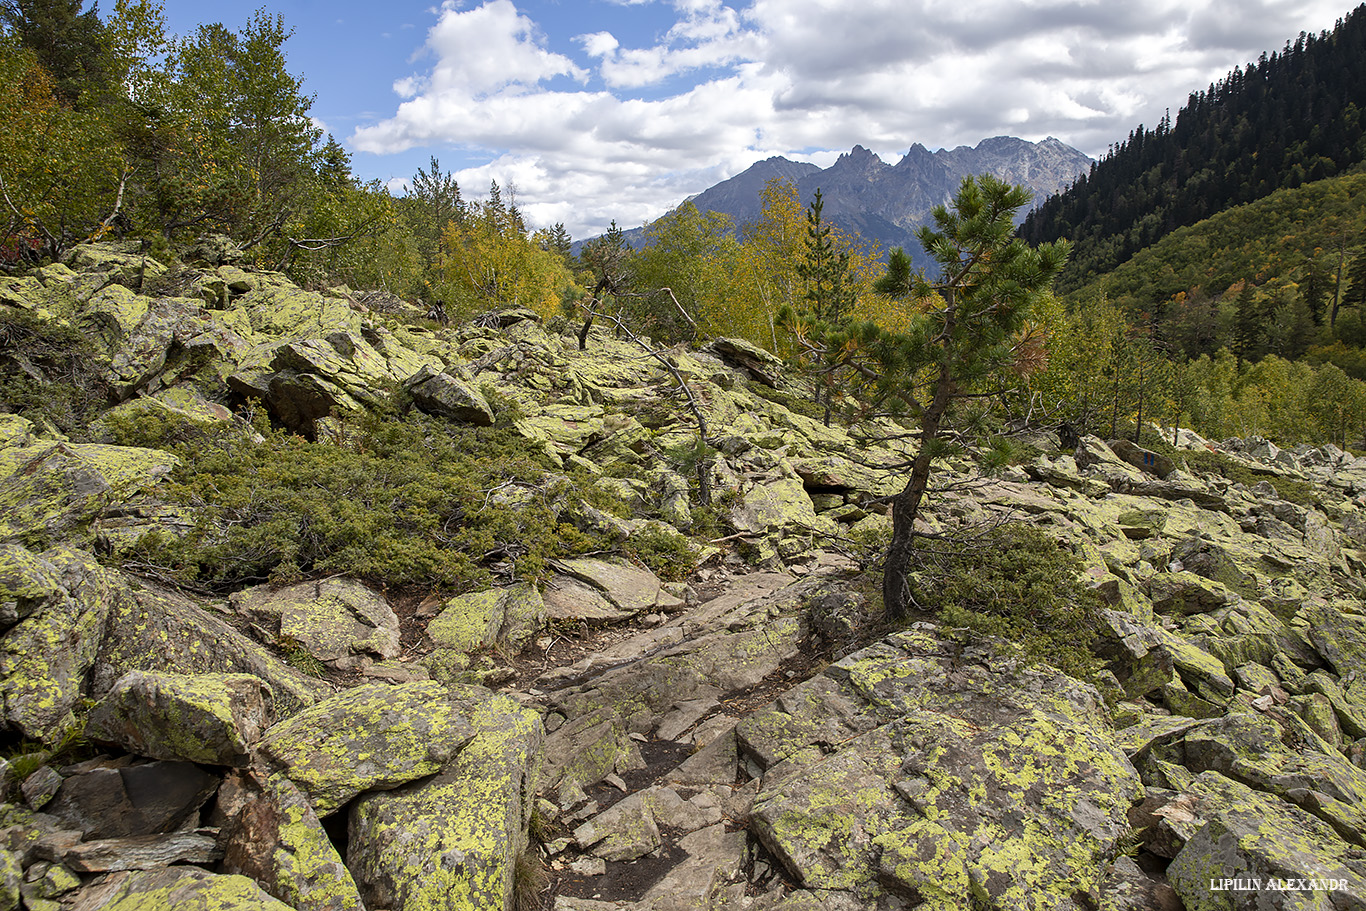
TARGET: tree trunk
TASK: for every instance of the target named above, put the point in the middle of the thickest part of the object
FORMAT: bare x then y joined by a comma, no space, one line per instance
896,592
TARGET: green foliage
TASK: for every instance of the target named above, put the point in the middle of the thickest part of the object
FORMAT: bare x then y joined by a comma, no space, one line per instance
1017,583
51,373
70,44
1289,402
60,168
27,756
821,321
529,880
247,118
299,657
1001,452
670,556
404,499
1278,259
488,261
680,254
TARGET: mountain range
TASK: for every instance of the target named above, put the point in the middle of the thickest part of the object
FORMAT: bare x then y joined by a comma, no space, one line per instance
886,203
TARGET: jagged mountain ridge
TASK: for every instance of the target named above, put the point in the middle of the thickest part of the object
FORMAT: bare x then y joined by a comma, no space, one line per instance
886,203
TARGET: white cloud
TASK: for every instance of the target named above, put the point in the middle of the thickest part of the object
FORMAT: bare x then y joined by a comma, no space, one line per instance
636,129
598,44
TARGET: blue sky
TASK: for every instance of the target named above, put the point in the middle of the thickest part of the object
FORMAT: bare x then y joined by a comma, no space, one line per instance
618,109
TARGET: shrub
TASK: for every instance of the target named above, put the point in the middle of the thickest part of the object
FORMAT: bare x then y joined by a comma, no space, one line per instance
51,373
670,556
1017,583
400,499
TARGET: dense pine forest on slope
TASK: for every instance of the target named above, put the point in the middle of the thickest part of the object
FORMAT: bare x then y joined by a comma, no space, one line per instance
1293,117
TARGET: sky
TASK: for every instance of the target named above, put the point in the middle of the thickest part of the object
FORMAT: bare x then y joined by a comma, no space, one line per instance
590,111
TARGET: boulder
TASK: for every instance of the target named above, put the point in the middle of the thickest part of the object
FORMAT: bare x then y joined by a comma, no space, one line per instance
1143,459
156,630
1247,839
629,588
449,395
174,340
28,584
1338,635
962,789
51,492
213,719
120,262
503,618
139,799
184,889
778,503
47,657
1185,592
338,621
373,736
1248,747
306,379
759,363
452,842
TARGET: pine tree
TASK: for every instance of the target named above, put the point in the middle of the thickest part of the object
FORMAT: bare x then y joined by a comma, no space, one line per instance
967,332
70,44
821,321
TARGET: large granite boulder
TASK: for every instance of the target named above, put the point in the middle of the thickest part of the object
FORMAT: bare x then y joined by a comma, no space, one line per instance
46,658
54,492
453,842
214,719
272,834
370,737
941,774
1251,850
181,889
156,630
449,395
338,621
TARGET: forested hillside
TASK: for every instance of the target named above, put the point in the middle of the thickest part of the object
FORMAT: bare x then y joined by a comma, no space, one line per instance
1283,276
1292,117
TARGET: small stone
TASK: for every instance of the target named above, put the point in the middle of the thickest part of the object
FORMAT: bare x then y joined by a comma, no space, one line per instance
589,866
39,787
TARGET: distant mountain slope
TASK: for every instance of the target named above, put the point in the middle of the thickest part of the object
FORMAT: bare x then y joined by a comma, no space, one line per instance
886,203
1293,117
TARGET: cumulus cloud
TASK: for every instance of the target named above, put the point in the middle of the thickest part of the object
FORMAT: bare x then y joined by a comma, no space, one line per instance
590,129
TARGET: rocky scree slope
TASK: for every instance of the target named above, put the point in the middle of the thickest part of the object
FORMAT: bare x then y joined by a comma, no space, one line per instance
740,740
